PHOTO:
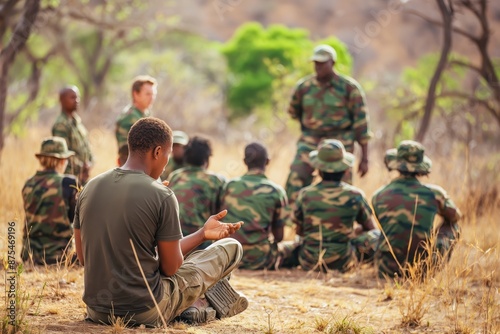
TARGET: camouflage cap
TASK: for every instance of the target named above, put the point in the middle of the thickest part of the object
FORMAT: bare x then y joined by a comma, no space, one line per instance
54,147
331,157
408,157
180,137
324,53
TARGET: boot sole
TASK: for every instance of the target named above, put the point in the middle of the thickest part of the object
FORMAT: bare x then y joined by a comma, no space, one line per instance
195,316
225,300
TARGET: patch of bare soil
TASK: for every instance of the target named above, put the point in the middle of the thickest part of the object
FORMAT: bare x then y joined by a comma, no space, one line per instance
285,301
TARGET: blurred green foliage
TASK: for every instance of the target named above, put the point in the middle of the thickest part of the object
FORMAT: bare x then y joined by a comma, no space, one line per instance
252,50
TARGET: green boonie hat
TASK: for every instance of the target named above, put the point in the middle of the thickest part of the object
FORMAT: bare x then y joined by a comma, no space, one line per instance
180,137
331,157
54,147
408,157
324,53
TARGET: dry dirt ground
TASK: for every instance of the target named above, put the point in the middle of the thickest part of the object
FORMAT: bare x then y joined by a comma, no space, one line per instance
285,301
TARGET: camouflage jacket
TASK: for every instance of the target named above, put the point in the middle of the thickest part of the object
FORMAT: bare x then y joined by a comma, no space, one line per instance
171,166
198,192
405,202
124,122
325,213
256,201
76,135
49,204
336,110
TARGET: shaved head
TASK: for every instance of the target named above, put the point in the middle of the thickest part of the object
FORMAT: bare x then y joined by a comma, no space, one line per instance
69,96
256,156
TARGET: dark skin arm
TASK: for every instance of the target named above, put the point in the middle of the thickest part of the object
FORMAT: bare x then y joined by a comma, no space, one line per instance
363,164
171,253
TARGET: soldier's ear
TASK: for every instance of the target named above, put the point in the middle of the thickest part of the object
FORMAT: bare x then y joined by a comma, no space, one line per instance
156,152
267,161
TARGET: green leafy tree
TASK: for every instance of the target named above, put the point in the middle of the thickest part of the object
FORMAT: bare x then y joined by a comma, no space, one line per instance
252,52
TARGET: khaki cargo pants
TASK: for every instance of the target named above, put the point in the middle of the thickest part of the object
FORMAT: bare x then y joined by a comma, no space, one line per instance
200,270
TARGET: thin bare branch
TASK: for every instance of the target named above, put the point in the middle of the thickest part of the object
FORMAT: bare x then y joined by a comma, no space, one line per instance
465,64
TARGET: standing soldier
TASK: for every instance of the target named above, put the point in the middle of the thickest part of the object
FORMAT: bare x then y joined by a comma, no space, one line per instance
325,214
69,126
327,105
197,190
258,202
406,210
49,204
176,160
143,95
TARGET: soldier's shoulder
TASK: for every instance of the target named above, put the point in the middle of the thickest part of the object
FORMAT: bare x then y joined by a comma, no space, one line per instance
305,81
216,177
436,190
353,190
349,81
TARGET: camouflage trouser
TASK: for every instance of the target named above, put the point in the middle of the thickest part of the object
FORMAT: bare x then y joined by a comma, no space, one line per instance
362,248
200,270
262,256
388,266
301,171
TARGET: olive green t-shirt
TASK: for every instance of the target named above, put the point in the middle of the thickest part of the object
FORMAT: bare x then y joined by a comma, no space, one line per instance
114,207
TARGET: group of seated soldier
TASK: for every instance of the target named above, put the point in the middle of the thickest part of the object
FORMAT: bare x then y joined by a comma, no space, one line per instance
333,220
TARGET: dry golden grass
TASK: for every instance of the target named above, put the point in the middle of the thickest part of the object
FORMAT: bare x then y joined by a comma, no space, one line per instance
463,297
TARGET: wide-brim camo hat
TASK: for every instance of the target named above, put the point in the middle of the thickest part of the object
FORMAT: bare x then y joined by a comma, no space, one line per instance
331,157
324,52
409,156
180,137
54,147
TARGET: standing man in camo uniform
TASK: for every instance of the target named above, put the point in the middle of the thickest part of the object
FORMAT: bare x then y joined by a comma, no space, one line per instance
259,202
143,94
69,126
325,217
197,190
406,210
49,204
328,105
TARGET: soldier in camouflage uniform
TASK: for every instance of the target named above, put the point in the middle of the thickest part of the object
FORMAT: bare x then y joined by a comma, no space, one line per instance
143,95
258,202
197,190
327,105
69,126
49,204
176,160
325,214
406,210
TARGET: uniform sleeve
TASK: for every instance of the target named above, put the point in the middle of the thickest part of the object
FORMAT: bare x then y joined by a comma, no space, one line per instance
358,109
279,215
59,129
76,219
169,226
123,126
298,213
447,208
295,108
365,212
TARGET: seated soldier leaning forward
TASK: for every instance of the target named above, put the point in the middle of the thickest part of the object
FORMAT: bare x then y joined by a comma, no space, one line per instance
396,209
259,202
49,204
325,214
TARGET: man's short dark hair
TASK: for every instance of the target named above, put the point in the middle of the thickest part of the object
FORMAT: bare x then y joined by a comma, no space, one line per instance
197,151
337,177
255,155
140,80
148,133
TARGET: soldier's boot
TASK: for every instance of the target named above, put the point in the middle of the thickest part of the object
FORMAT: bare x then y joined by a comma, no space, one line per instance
199,312
225,300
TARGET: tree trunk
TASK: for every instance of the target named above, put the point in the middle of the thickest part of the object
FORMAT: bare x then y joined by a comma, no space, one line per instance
447,15
8,54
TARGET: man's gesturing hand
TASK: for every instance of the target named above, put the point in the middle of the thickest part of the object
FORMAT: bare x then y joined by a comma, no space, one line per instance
214,229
